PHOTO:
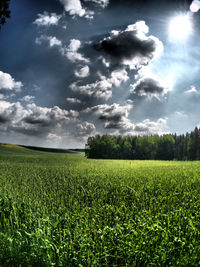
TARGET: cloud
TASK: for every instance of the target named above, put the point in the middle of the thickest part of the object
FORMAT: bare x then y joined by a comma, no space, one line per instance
71,52
9,83
47,19
102,3
46,126
99,89
82,72
85,129
28,98
74,8
192,90
8,111
33,119
149,87
73,100
131,47
148,127
2,96
52,41
102,88
114,116
47,116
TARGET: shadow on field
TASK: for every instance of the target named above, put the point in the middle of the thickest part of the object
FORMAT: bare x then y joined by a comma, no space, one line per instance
54,150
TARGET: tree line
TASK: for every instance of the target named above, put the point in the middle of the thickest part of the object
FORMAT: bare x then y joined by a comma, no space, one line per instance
165,147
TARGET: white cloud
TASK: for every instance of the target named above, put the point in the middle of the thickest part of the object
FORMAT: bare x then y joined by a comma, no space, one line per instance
82,72
114,116
52,41
28,98
72,52
33,119
99,89
103,87
74,45
73,100
74,8
9,83
192,90
85,129
118,76
54,127
102,3
47,19
54,137
148,127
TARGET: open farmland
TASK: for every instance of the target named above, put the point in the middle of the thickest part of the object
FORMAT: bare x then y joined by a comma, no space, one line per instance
66,210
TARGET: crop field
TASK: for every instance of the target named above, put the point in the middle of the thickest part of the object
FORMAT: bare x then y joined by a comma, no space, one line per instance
66,210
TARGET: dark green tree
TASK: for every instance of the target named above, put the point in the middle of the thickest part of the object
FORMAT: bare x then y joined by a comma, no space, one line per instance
165,147
165,150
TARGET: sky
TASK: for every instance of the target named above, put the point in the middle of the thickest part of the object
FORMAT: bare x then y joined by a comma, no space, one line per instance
70,69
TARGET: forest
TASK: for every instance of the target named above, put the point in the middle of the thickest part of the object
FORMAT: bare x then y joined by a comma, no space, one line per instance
165,147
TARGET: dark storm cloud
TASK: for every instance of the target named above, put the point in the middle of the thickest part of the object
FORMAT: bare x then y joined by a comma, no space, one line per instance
127,45
149,87
130,47
40,122
3,118
20,129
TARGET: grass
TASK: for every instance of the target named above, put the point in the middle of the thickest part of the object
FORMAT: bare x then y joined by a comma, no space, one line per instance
66,210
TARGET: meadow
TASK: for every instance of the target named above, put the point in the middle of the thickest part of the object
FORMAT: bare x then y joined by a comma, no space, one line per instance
65,210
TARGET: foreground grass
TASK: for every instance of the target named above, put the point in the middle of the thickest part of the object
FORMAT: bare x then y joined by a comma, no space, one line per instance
65,210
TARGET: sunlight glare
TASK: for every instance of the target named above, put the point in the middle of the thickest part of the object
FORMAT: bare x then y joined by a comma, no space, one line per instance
180,28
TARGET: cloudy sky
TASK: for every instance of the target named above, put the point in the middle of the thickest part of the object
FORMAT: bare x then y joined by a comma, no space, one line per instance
70,69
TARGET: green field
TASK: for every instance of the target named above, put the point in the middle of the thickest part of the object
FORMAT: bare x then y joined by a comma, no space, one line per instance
66,210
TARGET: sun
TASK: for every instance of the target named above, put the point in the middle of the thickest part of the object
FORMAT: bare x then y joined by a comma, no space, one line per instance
180,28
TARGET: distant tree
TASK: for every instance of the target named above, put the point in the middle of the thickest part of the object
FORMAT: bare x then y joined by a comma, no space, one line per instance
197,143
192,148
127,149
4,11
165,147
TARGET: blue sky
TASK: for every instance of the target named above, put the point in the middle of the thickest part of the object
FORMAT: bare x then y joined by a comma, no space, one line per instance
70,69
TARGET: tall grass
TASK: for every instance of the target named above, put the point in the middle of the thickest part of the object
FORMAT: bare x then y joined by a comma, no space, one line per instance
66,210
